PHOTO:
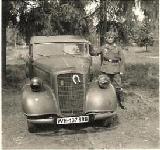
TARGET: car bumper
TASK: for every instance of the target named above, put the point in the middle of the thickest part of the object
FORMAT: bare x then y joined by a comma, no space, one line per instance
52,120
101,116
41,121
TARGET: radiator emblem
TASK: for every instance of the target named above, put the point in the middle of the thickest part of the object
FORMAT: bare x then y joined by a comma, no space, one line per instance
62,83
76,79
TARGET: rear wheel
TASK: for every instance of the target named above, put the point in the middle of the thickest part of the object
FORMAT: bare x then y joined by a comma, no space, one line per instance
32,128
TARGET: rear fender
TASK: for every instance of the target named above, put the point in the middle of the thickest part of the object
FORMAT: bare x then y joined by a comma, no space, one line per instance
39,103
100,100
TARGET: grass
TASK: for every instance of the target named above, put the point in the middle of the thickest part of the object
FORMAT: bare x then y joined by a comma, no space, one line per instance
142,68
137,55
15,76
141,75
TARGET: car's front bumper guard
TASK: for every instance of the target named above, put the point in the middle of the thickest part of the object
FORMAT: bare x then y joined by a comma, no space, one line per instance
100,116
52,120
40,121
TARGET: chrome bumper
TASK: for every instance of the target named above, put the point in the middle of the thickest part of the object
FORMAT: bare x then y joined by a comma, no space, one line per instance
101,116
40,121
52,120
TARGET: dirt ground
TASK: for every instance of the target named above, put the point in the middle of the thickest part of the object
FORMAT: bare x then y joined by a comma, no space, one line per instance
138,127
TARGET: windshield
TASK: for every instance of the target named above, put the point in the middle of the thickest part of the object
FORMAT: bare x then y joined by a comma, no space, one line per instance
50,49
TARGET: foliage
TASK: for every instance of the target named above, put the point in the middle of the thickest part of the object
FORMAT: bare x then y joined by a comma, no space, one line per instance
145,36
52,18
119,16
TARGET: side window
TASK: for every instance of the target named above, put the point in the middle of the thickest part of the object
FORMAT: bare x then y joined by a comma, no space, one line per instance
45,76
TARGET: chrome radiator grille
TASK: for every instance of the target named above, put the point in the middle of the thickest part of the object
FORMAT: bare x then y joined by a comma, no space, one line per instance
71,93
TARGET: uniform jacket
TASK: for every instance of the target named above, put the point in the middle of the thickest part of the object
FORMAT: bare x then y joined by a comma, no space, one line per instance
112,59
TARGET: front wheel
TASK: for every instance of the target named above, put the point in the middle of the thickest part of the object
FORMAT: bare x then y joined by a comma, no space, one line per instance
32,128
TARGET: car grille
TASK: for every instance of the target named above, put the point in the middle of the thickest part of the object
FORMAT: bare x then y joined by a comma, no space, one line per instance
71,93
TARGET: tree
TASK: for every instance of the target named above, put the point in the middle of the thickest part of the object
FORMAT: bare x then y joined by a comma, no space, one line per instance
5,19
54,18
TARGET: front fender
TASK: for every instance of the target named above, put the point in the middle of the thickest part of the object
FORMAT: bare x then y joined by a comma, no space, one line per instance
100,100
39,103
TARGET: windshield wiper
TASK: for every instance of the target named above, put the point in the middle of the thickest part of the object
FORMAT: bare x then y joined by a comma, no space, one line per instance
43,55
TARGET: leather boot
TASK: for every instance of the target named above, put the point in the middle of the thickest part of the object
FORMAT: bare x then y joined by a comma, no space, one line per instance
120,97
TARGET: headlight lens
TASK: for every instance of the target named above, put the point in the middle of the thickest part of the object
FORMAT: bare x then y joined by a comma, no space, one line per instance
36,84
103,81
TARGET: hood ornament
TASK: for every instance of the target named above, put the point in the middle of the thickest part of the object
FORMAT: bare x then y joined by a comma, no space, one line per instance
76,79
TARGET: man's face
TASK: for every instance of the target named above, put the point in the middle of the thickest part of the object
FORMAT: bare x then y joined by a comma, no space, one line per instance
109,39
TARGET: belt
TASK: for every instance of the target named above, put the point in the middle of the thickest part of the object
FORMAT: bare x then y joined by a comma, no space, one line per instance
112,60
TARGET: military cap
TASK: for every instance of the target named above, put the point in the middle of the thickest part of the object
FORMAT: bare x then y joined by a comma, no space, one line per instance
111,33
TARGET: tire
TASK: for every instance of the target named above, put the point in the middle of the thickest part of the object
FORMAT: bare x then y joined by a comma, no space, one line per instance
32,128
110,122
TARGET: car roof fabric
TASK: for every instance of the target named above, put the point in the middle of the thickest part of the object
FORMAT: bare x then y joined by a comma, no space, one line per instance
57,39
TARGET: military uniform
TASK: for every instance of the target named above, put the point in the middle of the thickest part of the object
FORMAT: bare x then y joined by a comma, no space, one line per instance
113,65
112,59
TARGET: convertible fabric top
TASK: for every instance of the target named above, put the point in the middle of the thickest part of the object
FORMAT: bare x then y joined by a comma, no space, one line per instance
57,39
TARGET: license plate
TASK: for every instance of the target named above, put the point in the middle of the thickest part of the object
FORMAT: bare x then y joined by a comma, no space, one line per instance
72,120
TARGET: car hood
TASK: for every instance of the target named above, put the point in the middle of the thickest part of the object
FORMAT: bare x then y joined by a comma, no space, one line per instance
63,62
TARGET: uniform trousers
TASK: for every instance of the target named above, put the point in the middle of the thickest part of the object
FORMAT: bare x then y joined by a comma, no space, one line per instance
116,81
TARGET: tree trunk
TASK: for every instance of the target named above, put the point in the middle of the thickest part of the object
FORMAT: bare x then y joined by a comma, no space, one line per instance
5,15
146,47
3,54
103,20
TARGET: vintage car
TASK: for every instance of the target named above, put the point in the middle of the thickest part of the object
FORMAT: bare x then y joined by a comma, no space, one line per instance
64,86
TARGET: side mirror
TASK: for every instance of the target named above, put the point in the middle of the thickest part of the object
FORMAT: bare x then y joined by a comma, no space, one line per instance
93,51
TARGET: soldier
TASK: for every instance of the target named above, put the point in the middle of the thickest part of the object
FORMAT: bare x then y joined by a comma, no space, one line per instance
113,64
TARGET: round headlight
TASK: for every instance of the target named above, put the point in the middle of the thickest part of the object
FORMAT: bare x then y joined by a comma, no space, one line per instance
36,84
103,81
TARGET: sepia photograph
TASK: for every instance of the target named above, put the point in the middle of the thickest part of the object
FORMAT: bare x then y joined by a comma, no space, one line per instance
80,74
